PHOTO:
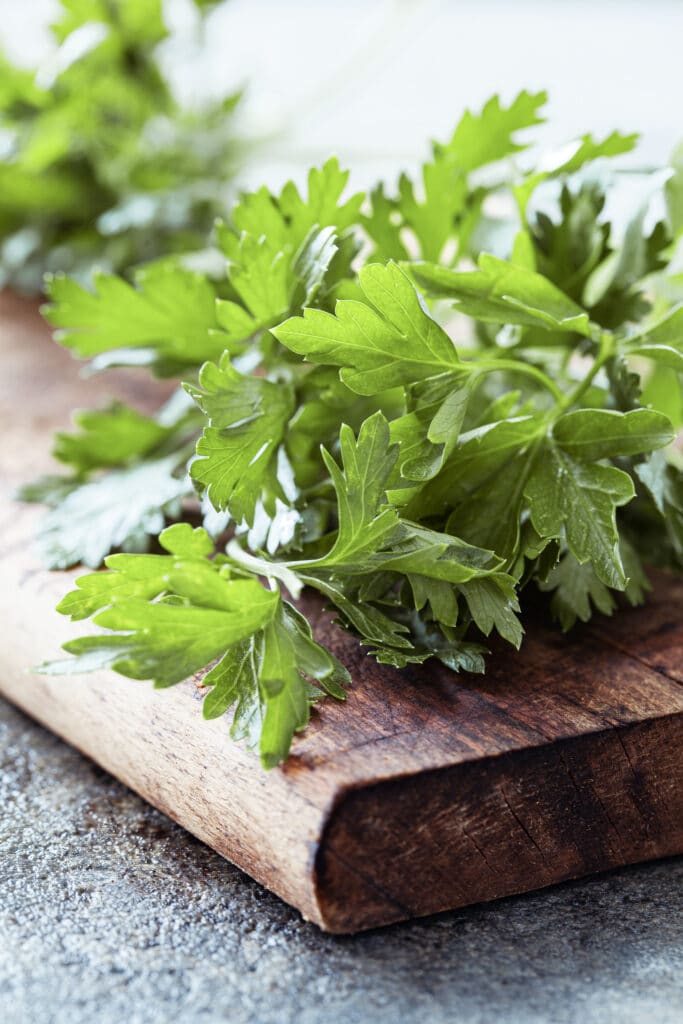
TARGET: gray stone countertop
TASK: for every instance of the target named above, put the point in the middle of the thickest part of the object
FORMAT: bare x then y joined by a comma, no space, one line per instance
111,913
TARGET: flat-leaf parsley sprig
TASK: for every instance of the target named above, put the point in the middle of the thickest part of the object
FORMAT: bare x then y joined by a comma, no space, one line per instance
402,401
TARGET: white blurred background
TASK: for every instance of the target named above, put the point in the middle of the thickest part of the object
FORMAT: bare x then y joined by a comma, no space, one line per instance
373,81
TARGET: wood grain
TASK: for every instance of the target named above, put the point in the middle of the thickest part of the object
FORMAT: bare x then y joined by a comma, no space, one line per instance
427,790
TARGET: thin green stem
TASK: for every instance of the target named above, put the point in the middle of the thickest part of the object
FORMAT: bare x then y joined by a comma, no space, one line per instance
528,369
605,352
261,567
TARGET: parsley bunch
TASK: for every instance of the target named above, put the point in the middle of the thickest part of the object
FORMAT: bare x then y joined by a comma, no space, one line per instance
376,407
100,162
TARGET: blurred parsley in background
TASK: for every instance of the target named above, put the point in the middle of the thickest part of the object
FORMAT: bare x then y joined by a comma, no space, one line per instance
100,163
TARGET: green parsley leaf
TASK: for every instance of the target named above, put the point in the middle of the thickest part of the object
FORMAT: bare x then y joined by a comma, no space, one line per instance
169,315
108,437
171,616
604,433
123,509
392,341
502,293
444,207
247,417
289,656
661,341
483,138
364,522
428,433
572,158
285,221
663,482
575,590
581,497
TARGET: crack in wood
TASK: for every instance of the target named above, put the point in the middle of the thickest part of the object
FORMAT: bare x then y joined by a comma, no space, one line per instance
523,827
494,871
403,909
581,791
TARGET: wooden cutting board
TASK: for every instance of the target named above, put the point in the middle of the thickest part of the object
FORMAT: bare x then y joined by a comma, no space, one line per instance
426,790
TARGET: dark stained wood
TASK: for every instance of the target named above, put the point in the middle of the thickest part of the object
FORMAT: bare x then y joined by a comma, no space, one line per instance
426,790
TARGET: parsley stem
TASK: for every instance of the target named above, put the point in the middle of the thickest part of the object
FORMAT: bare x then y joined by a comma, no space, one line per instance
517,366
605,352
271,571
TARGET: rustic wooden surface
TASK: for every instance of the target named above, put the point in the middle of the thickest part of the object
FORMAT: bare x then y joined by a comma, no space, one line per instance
426,791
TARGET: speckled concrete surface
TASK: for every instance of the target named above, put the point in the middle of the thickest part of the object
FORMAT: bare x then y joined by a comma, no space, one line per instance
110,913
